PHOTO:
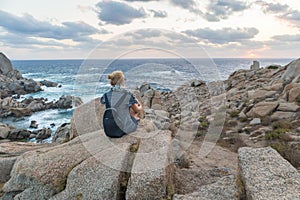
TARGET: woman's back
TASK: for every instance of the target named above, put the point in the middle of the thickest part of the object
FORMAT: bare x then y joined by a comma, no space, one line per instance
117,110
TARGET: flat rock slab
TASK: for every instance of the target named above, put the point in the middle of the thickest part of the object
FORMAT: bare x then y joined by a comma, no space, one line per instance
88,117
288,107
6,165
266,175
278,115
42,173
223,189
263,109
260,94
152,171
18,148
93,179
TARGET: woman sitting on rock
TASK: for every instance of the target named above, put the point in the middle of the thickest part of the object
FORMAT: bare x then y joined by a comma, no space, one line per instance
122,108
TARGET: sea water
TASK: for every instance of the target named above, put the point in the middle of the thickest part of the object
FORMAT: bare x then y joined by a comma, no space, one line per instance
87,79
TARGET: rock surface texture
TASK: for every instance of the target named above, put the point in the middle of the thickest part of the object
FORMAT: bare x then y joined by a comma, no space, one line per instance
266,175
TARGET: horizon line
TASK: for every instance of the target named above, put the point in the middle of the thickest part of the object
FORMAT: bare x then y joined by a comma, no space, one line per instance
154,58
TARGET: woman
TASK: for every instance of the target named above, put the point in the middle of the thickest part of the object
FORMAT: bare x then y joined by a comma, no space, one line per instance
122,108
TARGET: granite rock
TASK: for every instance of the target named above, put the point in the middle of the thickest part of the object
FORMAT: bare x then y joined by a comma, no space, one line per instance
266,175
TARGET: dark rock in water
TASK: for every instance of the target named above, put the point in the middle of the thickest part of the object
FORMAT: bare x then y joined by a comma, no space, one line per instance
52,125
31,86
20,112
48,83
12,82
197,83
43,134
32,135
11,107
4,130
68,101
33,124
62,134
18,134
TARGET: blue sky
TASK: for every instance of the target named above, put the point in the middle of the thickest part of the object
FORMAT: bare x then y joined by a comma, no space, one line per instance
68,29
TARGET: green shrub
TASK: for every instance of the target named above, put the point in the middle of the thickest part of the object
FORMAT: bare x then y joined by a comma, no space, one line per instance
1,191
276,134
204,124
289,152
298,99
282,125
234,113
272,67
243,119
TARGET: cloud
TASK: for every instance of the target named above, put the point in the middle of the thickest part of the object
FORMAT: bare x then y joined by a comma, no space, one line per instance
287,38
29,26
159,13
117,13
273,7
144,33
293,15
216,9
141,0
17,41
28,32
282,11
222,9
222,36
186,4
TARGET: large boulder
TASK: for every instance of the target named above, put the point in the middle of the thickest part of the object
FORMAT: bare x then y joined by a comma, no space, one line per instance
43,134
263,109
43,173
5,64
87,167
87,118
292,71
223,189
9,151
153,169
49,83
266,175
93,179
5,130
20,112
18,134
67,101
6,165
62,134
12,82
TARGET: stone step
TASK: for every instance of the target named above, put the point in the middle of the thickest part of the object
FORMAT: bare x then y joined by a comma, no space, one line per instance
153,169
266,175
223,189
94,179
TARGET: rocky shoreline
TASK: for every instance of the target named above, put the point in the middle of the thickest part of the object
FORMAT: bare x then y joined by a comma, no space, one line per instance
258,110
13,85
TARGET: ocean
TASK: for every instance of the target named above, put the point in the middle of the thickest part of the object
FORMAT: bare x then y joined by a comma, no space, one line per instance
87,79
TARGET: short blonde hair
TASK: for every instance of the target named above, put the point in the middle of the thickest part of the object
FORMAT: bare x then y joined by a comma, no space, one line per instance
116,78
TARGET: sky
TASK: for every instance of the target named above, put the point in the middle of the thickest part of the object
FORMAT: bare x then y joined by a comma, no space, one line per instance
80,29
